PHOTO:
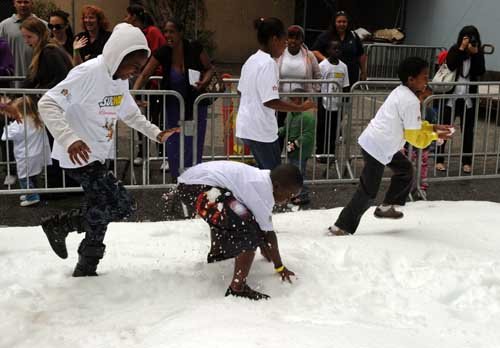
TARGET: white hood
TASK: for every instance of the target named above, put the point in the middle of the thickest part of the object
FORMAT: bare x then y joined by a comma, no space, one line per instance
124,39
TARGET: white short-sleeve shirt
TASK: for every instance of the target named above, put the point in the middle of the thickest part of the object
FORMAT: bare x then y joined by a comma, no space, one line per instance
339,74
384,136
293,67
250,186
258,84
92,102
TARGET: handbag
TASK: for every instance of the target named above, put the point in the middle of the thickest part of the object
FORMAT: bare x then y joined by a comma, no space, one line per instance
216,84
443,75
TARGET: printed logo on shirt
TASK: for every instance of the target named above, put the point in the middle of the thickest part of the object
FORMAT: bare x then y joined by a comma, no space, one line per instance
338,75
275,88
111,100
66,94
110,127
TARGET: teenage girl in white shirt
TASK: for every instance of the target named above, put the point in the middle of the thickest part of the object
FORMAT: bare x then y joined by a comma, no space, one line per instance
256,124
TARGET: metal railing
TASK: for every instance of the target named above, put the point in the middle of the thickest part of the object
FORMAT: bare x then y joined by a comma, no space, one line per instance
384,59
343,162
484,87
123,151
476,142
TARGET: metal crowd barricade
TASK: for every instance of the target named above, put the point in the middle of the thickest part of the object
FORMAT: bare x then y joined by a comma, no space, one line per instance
485,154
355,110
485,137
384,59
337,169
122,162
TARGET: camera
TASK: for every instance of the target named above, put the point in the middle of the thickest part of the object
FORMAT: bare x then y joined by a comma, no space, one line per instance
473,41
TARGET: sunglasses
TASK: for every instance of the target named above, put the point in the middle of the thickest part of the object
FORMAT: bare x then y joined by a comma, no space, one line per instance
55,26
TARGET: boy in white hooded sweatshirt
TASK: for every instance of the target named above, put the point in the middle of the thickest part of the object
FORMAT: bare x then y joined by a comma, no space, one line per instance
81,113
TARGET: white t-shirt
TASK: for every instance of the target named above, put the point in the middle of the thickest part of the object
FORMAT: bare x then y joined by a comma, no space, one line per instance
92,102
293,67
34,161
258,84
462,89
339,74
384,136
250,186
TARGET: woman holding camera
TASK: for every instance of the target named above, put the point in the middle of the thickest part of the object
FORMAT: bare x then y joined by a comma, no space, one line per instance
467,59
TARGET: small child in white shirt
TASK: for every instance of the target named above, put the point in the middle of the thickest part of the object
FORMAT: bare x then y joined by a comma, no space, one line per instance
332,69
31,147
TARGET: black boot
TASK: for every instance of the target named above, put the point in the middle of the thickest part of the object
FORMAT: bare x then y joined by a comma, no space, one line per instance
90,255
247,292
57,227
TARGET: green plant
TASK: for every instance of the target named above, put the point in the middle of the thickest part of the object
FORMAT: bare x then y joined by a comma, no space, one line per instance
42,8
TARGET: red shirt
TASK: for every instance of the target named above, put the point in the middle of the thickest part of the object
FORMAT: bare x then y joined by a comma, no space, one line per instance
155,39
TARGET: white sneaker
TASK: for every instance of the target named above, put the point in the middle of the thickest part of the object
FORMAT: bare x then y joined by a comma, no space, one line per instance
138,161
10,180
27,203
22,197
164,166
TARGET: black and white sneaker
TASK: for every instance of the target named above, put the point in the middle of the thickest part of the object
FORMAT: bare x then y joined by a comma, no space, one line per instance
247,292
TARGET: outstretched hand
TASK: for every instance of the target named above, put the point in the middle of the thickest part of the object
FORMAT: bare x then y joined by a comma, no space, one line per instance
308,105
164,135
286,274
444,131
79,152
80,43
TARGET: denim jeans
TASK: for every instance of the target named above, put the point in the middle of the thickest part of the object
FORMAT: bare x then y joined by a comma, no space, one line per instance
29,183
267,155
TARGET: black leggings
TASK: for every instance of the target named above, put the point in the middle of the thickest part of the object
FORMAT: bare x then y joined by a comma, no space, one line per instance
467,125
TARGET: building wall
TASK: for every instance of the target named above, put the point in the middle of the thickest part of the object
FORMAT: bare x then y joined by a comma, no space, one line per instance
115,10
232,22
431,22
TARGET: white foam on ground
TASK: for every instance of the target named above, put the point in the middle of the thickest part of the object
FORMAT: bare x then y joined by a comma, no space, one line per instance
429,280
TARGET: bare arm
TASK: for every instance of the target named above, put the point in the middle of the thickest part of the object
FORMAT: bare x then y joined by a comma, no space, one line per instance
148,70
208,72
285,106
272,250
363,59
77,58
320,57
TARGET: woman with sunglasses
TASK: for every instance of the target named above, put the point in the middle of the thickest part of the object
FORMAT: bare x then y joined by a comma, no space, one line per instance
60,30
353,54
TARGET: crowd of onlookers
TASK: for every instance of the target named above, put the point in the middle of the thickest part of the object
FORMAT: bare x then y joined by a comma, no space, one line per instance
44,50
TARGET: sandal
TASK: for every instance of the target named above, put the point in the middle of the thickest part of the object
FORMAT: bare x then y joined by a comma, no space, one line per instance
440,167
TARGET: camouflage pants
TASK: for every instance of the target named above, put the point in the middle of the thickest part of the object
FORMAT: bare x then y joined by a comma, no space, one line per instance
105,201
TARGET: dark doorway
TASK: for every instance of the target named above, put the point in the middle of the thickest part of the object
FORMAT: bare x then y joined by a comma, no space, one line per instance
369,14
6,9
